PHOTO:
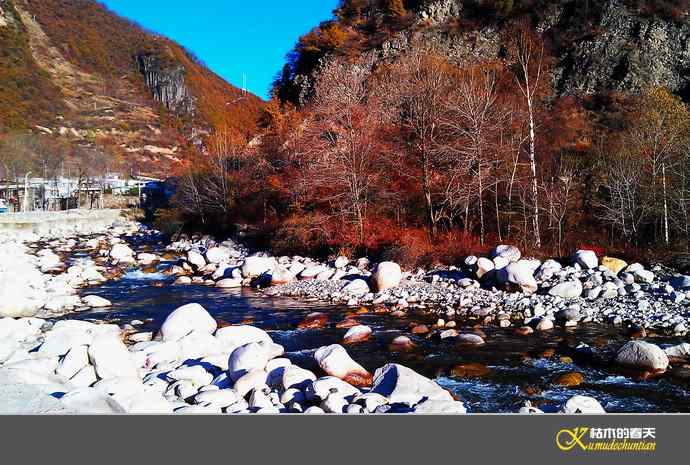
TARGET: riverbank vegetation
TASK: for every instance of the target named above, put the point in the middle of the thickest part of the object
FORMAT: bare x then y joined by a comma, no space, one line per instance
421,160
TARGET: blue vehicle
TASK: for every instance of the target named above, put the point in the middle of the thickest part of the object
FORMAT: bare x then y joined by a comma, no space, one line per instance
3,206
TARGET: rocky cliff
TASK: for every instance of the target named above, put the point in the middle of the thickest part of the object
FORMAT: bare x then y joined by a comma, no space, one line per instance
167,84
627,53
611,47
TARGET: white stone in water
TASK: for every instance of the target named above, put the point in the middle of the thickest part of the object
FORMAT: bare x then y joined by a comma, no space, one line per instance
642,355
182,280
292,396
147,258
334,404
281,275
321,388
275,369
314,410
252,356
357,333
91,401
400,384
147,403
545,324
95,301
218,254
335,361
196,259
198,345
110,357
185,320
469,338
84,378
229,283
440,407
582,404
76,359
679,351
255,266
122,252
221,398
235,336
296,377
253,379
259,399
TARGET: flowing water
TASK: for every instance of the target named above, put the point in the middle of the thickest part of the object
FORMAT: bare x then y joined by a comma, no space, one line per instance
508,369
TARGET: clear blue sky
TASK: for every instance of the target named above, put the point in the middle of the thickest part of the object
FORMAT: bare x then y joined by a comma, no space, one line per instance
231,36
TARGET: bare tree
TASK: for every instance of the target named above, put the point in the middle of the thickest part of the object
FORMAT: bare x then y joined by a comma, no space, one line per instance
473,121
529,48
341,145
415,89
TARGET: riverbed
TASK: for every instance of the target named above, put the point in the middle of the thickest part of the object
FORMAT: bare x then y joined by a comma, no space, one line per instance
496,377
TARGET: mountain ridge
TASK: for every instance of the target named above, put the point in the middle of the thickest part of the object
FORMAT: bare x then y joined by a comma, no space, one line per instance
77,72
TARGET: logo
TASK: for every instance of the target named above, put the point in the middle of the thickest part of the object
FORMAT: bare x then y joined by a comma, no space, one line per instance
589,439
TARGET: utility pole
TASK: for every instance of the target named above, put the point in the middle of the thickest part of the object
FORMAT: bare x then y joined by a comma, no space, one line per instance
26,191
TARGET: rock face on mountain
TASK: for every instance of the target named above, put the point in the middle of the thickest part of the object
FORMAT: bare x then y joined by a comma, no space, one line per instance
615,48
167,84
78,74
629,53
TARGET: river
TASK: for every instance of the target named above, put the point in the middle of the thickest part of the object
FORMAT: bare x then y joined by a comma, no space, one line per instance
498,376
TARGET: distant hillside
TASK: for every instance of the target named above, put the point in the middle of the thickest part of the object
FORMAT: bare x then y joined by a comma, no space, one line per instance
75,71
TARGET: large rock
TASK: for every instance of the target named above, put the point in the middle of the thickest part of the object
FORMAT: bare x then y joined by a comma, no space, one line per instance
218,254
96,301
387,276
357,287
323,387
91,401
642,355
357,333
518,276
232,337
583,405
122,252
249,357
76,359
567,290
335,361
484,266
255,266
281,275
614,265
26,395
110,357
400,384
440,407
196,259
509,252
587,259
185,320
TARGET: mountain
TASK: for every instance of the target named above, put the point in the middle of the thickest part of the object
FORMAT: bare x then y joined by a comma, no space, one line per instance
596,46
79,75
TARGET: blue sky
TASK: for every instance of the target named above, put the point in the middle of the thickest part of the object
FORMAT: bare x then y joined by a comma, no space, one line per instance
232,36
